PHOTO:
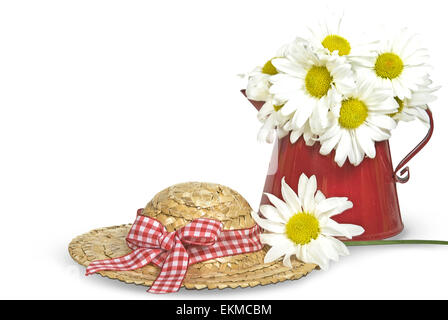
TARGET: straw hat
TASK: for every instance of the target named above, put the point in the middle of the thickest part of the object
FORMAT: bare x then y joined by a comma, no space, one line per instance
175,207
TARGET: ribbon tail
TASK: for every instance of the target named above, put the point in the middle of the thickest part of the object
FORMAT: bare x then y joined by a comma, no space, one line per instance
134,260
173,271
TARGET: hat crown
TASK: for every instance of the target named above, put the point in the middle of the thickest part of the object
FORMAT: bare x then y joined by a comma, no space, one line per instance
180,204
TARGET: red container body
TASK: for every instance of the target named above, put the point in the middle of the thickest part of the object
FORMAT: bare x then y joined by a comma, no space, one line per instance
370,186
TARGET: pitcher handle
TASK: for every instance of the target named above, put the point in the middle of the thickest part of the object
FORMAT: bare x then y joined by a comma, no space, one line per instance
402,174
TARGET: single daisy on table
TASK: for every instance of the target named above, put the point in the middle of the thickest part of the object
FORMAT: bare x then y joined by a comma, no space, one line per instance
398,64
361,119
301,225
309,84
415,107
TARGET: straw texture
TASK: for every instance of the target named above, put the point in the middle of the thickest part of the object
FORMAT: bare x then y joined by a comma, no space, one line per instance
175,207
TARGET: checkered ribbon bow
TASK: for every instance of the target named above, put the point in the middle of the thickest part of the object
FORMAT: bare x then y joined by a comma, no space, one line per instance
200,240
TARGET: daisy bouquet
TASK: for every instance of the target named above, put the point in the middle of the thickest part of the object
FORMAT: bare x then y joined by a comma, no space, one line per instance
332,103
344,95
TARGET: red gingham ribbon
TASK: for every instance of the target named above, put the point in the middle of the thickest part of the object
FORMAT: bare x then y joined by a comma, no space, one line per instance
200,240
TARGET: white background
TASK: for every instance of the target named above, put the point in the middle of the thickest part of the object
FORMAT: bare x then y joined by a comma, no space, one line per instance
105,103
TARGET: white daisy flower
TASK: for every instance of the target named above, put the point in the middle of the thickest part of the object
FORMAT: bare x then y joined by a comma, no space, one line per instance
359,120
331,38
398,64
273,121
301,225
259,83
415,107
309,84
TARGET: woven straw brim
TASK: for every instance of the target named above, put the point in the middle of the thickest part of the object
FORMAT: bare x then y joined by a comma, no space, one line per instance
244,270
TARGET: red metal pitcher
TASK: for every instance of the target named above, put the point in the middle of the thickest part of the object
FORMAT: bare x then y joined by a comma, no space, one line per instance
371,186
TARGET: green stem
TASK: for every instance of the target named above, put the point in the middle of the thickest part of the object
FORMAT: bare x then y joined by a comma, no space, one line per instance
392,242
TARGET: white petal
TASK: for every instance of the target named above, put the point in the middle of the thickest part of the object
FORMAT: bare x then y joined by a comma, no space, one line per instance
308,198
286,66
319,118
333,130
271,213
423,116
319,197
366,143
399,90
328,145
274,253
343,148
303,181
316,254
356,154
382,121
328,248
281,206
279,250
287,260
309,138
283,83
290,197
267,131
303,113
322,112
266,110
339,246
291,106
333,206
274,239
376,133
301,253
295,135
334,229
338,210
268,225
354,229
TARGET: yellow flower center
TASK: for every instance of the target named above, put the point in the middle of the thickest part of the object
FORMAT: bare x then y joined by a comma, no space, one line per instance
277,108
400,106
269,68
318,81
353,113
334,42
302,228
389,66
